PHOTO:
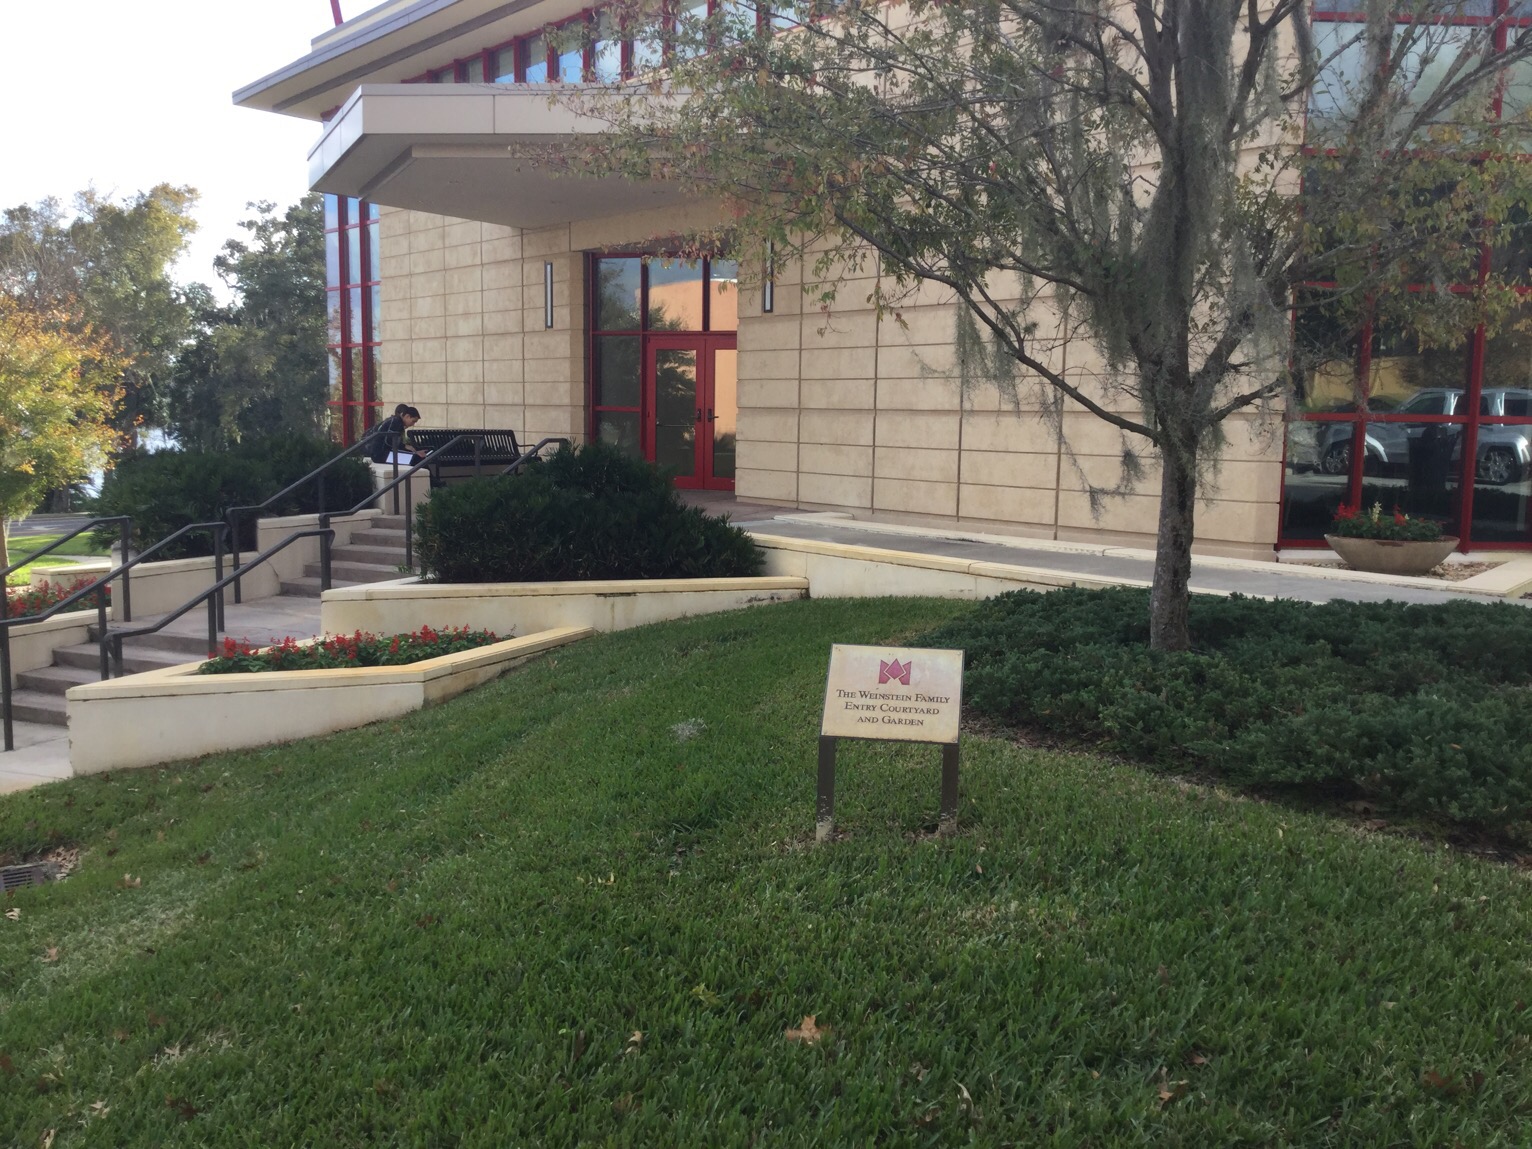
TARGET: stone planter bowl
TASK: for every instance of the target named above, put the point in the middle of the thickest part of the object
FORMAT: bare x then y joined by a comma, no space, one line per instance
1392,556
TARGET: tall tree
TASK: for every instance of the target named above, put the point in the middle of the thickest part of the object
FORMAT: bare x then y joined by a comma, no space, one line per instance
58,396
1122,174
108,263
258,366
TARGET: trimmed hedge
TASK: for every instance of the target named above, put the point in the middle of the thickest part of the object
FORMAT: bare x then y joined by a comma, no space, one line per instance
165,490
1426,708
591,513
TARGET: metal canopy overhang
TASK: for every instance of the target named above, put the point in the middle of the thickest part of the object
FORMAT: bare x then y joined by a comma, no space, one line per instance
453,150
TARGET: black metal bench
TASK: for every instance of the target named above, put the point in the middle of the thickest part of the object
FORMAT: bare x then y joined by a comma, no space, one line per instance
484,448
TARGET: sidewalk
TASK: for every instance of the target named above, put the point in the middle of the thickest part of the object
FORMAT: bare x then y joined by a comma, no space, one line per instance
1132,567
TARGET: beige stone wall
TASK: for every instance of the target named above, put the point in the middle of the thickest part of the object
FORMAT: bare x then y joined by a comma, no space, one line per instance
838,410
463,327
847,411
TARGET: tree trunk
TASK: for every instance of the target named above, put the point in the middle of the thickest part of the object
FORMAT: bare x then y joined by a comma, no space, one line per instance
1169,598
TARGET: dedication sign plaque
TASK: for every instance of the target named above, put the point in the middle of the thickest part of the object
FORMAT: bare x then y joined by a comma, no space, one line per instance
894,694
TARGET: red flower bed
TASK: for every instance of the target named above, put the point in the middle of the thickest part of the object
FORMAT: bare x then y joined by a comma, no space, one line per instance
342,650
24,600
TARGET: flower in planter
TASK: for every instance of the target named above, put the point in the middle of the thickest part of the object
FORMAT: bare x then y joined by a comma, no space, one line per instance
1354,523
345,650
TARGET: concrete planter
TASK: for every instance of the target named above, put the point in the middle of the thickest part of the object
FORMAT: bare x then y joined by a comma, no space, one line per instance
166,715
1392,556
402,605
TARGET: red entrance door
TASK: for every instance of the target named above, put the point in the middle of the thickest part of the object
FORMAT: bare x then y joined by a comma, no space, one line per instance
691,389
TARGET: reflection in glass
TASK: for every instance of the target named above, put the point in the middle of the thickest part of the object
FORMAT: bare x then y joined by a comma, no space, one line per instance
1323,356
606,53
675,296
617,370
331,212
617,294
620,429
374,253
537,60
333,360
332,326
354,318
1430,60
1507,374
1313,488
725,411
505,66
1414,467
353,254
374,316
473,70
675,410
332,259
1404,379
723,288
1501,490
571,65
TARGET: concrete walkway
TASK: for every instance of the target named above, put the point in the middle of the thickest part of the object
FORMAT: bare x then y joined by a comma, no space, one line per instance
42,752
1132,567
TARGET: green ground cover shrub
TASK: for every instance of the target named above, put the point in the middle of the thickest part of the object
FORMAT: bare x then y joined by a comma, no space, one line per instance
591,513
1424,707
582,906
165,490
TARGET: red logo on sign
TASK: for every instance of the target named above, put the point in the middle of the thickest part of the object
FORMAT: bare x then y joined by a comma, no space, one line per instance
894,672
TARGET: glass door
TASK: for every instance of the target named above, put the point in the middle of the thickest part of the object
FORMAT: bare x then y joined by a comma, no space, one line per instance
691,386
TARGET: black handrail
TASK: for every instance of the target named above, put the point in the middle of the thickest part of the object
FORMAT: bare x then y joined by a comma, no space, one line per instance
99,589
404,477
126,524
234,514
111,640
530,454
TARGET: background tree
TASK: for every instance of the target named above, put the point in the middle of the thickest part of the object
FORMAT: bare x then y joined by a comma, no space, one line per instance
58,397
1123,174
108,265
258,367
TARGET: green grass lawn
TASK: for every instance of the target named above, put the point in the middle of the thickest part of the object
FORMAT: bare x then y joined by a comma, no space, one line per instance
582,905
22,546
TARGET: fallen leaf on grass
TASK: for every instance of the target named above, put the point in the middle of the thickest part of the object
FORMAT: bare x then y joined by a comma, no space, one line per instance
929,1117
129,882
51,953
14,915
100,1108
1196,1059
808,1031
7,1066
203,858
46,1140
121,1035
182,1106
635,1042
1174,1092
1164,976
156,1020
706,996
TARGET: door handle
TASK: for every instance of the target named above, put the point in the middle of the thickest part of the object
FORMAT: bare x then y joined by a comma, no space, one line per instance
710,416
699,415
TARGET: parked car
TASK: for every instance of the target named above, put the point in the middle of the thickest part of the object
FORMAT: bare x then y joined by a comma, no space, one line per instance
1503,453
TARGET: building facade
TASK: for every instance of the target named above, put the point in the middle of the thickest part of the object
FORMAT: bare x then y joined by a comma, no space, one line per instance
489,293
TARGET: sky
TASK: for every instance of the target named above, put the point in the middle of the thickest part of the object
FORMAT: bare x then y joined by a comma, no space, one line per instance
158,109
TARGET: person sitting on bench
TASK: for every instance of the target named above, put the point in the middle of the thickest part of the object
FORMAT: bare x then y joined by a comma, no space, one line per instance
392,443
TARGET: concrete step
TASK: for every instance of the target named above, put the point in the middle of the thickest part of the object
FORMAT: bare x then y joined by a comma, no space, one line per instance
388,523
306,587
393,539
376,555
56,679
191,644
35,706
351,573
87,656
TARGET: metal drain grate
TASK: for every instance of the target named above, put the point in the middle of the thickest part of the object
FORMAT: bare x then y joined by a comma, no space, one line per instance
14,877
